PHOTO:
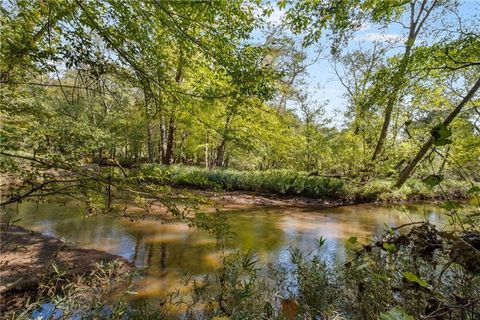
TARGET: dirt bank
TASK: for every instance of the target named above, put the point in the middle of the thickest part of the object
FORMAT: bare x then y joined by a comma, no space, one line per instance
27,256
232,198
241,198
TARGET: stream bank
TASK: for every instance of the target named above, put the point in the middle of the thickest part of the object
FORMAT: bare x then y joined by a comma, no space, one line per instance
27,257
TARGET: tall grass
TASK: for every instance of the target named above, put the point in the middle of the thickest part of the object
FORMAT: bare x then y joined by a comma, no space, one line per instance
295,183
282,182
382,190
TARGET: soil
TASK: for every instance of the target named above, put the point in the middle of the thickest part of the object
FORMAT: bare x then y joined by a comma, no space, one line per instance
256,199
26,257
242,198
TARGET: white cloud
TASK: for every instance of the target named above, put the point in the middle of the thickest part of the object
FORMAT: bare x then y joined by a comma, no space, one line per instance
365,26
381,37
276,17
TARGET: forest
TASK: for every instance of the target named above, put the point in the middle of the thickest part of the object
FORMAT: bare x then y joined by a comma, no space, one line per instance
133,119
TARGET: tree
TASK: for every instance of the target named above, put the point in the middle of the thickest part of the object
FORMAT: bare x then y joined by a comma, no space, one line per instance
439,134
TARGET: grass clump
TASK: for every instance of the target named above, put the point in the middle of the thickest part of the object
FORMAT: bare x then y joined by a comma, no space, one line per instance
100,294
281,182
383,190
294,183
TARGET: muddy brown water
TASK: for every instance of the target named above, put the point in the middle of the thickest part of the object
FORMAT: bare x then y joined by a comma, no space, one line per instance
171,251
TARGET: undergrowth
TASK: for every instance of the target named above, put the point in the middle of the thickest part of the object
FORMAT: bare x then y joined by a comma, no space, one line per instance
282,182
294,183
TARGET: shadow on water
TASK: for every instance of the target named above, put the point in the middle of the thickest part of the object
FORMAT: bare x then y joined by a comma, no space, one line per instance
173,250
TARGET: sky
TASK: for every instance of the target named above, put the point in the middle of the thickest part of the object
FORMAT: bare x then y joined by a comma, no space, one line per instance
321,81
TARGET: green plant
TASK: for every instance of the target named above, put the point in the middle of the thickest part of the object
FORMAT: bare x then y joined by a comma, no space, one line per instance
282,182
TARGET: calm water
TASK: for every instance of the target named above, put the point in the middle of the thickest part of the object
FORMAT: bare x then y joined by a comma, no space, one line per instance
171,251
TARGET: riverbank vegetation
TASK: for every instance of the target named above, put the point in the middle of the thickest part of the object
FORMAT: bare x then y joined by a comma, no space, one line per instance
103,99
300,184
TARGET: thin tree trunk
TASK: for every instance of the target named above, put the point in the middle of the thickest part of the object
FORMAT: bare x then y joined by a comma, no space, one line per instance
151,152
399,80
416,23
163,139
170,140
219,160
206,153
428,144
149,132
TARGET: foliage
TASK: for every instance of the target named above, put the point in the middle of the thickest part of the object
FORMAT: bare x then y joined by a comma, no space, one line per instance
191,83
308,282
87,296
237,291
292,183
417,276
281,182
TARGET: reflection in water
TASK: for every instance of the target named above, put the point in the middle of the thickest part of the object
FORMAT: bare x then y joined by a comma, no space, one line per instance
171,251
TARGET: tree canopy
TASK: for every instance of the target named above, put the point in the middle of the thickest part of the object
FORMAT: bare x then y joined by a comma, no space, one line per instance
216,84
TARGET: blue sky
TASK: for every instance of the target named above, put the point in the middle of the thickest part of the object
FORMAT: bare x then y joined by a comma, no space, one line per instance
322,83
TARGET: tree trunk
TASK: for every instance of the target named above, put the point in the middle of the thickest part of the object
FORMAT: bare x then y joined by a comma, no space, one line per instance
149,131
220,156
163,139
206,154
171,122
417,21
398,82
170,140
219,160
428,144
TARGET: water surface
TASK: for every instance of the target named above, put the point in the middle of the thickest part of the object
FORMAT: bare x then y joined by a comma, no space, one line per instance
172,250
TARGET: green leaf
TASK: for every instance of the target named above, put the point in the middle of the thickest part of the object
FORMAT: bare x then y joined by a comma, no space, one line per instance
320,242
396,313
352,240
389,229
451,205
433,180
363,266
282,4
474,189
442,142
380,277
410,277
441,132
440,135
390,247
